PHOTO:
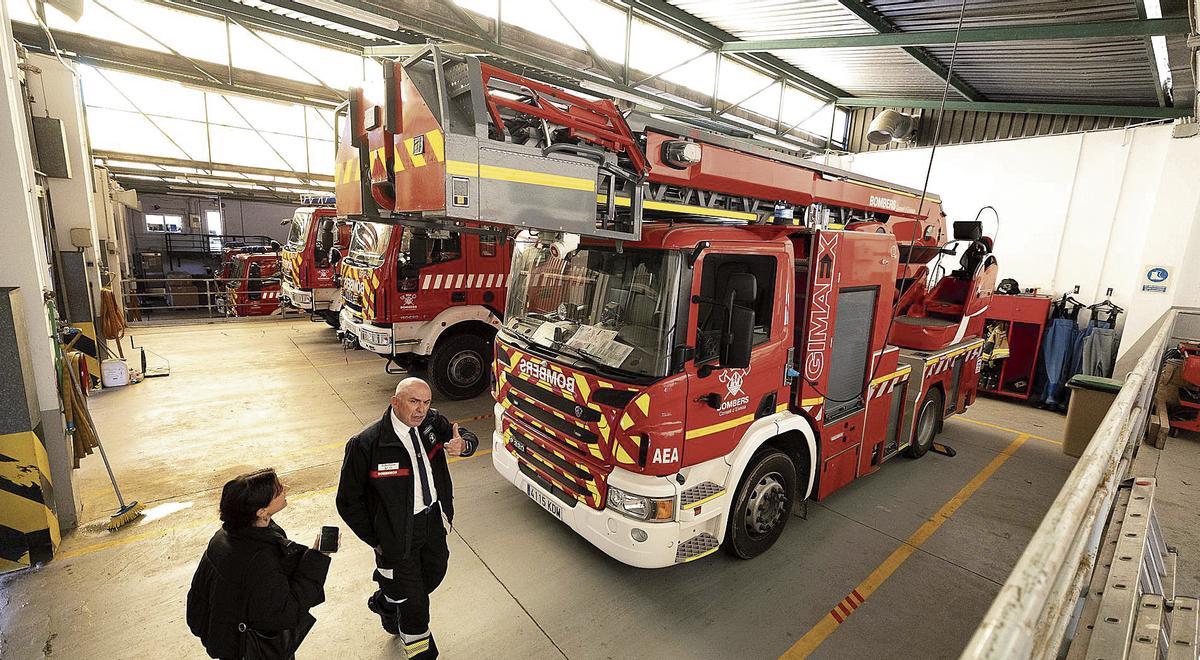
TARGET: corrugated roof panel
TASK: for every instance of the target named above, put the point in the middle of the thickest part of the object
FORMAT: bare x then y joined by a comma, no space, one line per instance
870,71
859,71
1079,71
916,15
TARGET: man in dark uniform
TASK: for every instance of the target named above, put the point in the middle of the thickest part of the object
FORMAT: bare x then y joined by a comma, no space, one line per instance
395,493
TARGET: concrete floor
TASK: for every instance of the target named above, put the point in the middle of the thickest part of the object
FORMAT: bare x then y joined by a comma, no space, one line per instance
521,585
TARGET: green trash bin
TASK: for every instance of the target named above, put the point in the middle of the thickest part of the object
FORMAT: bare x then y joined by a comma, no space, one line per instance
1091,397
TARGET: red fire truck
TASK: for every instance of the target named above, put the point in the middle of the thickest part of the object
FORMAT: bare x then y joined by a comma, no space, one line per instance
671,386
432,301
253,286
316,240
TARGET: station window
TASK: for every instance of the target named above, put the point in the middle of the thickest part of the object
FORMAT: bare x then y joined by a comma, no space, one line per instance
158,222
713,280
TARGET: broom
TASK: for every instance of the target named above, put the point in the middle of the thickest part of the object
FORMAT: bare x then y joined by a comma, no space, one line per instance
79,421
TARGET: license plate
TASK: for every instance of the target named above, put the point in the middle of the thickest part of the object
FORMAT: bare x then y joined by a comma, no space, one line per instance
547,504
377,338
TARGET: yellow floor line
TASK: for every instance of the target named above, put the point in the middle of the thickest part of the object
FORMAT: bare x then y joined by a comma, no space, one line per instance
160,532
830,622
1005,428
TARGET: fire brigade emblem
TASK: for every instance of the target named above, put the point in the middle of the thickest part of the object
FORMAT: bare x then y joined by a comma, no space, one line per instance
732,378
408,300
579,411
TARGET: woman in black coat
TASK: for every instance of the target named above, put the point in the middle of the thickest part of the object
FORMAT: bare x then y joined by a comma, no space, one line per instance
252,574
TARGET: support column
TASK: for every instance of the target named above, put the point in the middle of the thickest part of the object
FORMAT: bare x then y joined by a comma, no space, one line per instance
24,263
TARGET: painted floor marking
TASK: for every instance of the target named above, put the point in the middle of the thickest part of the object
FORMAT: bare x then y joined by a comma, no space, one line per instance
1005,428
840,612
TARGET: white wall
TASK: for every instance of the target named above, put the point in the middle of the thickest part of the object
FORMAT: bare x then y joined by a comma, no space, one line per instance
1086,209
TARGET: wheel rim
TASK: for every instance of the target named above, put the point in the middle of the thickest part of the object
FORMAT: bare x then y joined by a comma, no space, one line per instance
927,427
765,505
465,368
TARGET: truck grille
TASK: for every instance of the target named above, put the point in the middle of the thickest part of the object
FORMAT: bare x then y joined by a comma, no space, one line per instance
554,463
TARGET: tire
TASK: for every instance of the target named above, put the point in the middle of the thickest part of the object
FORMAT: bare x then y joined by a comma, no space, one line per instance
761,506
331,319
459,366
929,420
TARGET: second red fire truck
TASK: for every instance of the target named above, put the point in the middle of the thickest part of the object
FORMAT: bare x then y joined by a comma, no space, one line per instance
316,240
736,328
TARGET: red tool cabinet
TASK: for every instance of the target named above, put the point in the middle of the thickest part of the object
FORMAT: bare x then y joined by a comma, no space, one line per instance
1026,317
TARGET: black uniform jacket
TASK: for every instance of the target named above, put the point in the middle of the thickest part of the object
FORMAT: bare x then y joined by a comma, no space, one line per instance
375,492
278,579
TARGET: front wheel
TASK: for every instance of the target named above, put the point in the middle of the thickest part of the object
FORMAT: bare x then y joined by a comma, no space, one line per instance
929,418
459,366
762,505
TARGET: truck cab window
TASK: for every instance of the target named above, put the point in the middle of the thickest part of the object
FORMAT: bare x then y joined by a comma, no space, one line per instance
713,279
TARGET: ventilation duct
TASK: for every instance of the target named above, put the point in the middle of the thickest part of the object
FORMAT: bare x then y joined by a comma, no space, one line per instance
891,126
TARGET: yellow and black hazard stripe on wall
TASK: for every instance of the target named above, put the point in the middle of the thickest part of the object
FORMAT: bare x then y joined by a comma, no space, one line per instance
29,532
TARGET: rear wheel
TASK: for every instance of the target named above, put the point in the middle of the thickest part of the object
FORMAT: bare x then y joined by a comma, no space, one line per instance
762,505
459,366
929,418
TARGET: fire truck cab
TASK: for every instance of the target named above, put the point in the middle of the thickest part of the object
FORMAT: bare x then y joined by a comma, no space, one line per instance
253,286
737,327
430,301
316,240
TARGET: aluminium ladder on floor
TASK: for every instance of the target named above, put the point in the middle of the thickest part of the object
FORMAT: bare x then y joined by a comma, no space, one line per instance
1131,609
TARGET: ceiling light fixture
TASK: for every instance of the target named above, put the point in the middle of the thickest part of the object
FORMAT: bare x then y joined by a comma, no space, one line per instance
354,13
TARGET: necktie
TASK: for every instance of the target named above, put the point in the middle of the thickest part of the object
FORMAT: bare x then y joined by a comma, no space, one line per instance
419,453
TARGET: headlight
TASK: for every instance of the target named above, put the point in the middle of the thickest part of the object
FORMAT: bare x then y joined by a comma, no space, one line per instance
640,507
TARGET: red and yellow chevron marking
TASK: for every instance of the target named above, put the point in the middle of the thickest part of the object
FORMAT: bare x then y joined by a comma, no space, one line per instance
293,262
553,473
346,171
434,151
847,606
815,407
943,363
369,277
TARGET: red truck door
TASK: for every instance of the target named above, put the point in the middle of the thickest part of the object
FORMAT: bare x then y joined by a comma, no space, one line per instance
722,403
488,261
437,285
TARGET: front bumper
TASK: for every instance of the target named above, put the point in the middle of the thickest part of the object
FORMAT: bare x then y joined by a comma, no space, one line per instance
665,544
371,337
295,298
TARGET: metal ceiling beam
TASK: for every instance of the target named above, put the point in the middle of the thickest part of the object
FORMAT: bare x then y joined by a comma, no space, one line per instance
922,57
1159,89
517,55
205,165
1092,30
165,66
664,12
260,18
185,177
1075,109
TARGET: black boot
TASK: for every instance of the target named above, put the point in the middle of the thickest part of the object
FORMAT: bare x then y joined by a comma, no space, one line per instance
389,614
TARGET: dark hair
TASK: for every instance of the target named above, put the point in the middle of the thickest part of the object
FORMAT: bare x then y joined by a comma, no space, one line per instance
243,496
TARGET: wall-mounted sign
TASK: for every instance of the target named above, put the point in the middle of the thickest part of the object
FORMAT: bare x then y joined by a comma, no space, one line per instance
1156,279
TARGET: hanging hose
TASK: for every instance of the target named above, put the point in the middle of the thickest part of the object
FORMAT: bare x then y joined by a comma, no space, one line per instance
79,420
112,321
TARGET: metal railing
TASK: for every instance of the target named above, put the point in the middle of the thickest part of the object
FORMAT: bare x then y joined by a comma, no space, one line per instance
1032,614
167,299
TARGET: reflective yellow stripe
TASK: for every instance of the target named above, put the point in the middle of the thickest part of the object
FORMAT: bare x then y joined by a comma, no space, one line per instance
536,178
682,208
884,379
435,142
717,428
461,168
701,555
812,402
703,501
398,162
781,407
955,353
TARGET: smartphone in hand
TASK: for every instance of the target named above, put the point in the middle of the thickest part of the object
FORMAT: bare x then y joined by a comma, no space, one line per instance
329,539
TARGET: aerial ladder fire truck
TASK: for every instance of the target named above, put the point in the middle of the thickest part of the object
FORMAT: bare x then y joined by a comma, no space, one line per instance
735,328
316,239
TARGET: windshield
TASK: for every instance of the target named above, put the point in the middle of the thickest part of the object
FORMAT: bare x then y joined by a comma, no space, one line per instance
613,310
299,229
370,242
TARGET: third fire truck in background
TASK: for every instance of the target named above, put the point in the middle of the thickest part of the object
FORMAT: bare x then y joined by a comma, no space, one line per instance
316,239
735,328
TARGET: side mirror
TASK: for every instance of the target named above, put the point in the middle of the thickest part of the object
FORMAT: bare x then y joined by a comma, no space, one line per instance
335,256
968,230
274,245
737,338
